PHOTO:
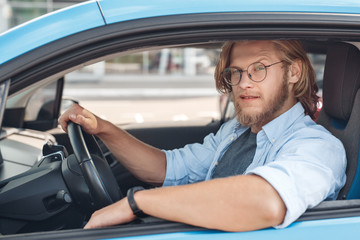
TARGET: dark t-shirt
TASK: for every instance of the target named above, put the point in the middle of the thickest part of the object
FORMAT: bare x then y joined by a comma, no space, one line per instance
238,157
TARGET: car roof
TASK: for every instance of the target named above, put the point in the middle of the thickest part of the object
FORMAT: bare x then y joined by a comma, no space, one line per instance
93,14
115,11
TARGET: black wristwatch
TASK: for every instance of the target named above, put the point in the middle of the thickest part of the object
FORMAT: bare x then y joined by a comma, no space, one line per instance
130,196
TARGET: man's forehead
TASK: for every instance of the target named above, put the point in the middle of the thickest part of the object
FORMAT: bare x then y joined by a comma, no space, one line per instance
253,48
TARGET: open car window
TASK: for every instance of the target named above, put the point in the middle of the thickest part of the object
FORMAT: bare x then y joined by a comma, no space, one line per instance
166,85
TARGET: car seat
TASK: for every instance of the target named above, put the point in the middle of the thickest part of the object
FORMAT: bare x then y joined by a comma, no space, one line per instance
341,108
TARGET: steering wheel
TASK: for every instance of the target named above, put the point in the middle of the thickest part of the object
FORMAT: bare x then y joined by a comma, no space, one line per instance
96,171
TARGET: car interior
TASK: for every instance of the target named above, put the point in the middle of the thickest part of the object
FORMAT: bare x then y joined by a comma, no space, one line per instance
340,112
47,154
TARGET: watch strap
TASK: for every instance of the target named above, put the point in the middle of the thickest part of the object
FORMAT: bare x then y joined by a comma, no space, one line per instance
134,207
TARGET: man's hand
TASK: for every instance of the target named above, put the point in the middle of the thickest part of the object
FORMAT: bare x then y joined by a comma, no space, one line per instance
114,214
77,114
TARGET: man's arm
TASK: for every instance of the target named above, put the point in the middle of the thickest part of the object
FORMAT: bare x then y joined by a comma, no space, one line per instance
144,161
239,203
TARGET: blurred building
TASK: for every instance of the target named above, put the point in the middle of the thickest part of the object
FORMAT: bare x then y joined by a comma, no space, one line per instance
15,12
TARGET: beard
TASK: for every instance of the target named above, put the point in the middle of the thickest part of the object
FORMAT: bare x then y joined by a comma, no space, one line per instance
267,114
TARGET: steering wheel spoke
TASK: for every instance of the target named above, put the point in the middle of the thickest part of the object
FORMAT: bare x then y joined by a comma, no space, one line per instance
97,174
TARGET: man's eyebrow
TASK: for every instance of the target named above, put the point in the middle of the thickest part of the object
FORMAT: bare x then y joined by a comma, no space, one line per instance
259,59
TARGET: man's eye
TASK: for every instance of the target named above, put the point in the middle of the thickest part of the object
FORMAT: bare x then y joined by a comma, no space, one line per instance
259,68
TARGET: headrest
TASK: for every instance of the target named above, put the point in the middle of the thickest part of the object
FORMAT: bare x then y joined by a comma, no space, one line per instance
341,80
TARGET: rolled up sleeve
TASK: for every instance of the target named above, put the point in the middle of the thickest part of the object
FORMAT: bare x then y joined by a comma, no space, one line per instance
305,173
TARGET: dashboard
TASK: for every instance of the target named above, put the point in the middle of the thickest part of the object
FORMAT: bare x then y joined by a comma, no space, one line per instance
21,149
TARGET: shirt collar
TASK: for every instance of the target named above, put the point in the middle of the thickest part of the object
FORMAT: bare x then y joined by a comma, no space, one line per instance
275,129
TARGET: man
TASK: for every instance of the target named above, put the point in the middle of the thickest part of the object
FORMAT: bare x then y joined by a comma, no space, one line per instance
264,168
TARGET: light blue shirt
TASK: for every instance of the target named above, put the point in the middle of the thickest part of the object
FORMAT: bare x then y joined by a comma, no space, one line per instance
300,159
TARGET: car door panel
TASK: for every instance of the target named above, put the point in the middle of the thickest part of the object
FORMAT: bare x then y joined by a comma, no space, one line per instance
168,138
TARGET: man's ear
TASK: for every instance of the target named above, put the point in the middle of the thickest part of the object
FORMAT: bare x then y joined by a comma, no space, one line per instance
295,71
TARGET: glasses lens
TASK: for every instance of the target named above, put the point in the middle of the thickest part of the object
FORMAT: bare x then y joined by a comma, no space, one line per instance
232,76
257,71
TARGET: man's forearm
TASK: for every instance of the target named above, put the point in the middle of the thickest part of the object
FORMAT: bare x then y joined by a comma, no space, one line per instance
144,161
238,203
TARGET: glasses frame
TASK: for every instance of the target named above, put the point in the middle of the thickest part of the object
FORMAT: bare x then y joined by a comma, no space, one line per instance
247,70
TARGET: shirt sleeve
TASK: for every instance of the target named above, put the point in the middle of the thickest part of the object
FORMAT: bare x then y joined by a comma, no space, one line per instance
191,163
304,173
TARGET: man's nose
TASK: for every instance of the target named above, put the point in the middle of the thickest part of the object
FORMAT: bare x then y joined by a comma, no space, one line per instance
245,81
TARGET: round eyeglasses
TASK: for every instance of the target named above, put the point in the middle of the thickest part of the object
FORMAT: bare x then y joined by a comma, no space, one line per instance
255,71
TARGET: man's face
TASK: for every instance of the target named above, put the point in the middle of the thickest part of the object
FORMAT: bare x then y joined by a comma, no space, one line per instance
257,103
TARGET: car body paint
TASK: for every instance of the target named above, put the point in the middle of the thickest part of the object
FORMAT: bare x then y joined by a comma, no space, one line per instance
344,228
118,11
48,28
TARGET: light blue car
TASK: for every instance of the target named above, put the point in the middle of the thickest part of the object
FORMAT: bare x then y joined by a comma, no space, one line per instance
44,194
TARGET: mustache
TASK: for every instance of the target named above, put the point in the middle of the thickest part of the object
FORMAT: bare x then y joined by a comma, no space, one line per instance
246,94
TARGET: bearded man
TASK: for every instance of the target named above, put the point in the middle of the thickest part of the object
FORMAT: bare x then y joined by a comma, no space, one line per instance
257,171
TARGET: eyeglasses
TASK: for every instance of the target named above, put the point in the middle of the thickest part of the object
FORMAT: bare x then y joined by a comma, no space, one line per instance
255,71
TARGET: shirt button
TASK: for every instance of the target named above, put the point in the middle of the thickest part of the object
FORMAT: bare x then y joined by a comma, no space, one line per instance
273,140
232,139
216,163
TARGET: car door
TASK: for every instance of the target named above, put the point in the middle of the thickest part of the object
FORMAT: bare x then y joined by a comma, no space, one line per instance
60,57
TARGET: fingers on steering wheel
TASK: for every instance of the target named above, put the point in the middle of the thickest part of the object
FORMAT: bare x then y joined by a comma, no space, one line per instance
71,115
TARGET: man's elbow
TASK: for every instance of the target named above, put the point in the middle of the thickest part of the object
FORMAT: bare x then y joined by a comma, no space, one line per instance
273,206
273,216
269,213
276,214
276,211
